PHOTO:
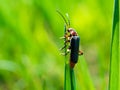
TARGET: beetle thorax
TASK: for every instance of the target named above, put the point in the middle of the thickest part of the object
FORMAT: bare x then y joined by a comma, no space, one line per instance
72,32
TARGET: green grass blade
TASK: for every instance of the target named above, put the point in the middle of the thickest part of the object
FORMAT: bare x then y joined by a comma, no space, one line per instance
114,60
72,78
67,77
67,69
85,80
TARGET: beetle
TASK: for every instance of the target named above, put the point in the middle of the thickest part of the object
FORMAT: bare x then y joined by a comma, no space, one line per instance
72,40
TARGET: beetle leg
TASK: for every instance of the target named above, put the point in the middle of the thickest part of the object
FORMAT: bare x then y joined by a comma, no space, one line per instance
63,47
65,36
68,50
66,41
80,52
62,37
62,54
65,44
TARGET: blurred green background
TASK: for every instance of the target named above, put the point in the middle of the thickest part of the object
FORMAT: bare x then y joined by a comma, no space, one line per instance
29,43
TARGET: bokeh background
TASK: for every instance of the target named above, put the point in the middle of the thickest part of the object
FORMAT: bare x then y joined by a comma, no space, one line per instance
29,43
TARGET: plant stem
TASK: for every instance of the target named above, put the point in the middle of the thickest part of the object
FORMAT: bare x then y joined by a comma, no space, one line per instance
72,77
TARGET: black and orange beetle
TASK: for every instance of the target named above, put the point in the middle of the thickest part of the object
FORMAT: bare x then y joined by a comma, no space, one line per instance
72,40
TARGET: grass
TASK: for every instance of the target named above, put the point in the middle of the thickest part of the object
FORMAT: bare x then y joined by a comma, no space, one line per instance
69,76
29,44
114,80
72,78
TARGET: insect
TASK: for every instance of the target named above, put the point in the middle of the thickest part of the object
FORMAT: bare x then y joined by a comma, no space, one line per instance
71,42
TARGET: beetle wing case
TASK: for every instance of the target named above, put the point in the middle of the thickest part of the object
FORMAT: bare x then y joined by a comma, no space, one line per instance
74,45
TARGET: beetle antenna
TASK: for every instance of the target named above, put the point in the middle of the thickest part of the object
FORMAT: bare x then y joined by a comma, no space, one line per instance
68,19
62,17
